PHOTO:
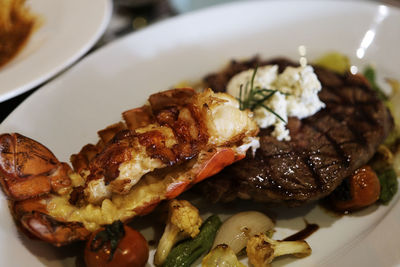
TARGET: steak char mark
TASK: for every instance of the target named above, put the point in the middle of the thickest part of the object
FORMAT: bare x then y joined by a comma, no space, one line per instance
324,148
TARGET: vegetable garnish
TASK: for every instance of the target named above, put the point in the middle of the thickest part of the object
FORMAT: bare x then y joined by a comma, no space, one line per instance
394,109
383,165
369,73
389,185
131,250
237,229
262,250
183,222
112,233
357,191
253,97
334,61
395,84
188,251
221,255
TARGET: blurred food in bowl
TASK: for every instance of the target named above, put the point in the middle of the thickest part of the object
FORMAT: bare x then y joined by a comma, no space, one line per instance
16,25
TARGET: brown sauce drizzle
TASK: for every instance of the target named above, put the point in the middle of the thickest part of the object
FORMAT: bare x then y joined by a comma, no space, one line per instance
303,234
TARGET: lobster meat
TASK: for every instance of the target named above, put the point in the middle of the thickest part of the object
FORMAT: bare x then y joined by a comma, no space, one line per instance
160,150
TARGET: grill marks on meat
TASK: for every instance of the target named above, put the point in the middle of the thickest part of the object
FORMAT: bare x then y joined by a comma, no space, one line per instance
324,148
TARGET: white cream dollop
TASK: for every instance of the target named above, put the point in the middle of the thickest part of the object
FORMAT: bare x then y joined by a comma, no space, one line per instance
296,96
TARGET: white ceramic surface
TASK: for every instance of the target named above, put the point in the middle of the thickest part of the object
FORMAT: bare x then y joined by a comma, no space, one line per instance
66,113
66,33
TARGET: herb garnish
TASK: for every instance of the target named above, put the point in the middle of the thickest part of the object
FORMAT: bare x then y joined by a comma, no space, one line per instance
253,97
112,234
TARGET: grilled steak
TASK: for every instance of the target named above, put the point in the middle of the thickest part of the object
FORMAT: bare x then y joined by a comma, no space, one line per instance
324,148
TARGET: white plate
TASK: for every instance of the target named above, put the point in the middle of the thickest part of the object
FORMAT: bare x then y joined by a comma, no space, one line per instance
66,113
69,29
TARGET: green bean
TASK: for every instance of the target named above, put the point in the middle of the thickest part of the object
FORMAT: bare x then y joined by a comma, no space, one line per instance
187,252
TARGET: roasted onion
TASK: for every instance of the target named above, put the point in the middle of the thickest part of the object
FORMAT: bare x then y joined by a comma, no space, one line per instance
236,230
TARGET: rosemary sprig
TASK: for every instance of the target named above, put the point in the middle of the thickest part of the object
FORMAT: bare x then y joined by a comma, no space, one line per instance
256,96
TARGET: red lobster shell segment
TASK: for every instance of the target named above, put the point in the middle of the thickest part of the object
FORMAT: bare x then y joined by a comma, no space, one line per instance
180,138
28,169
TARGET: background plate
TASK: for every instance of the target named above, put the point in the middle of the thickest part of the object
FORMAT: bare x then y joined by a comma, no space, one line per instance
66,113
65,34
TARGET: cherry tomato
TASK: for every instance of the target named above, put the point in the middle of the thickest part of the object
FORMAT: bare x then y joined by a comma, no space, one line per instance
132,250
364,189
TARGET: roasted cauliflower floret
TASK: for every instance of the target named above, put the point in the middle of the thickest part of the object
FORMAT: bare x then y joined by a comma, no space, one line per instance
183,221
262,250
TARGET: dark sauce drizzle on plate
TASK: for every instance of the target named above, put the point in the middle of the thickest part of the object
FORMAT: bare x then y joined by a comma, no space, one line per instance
303,234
